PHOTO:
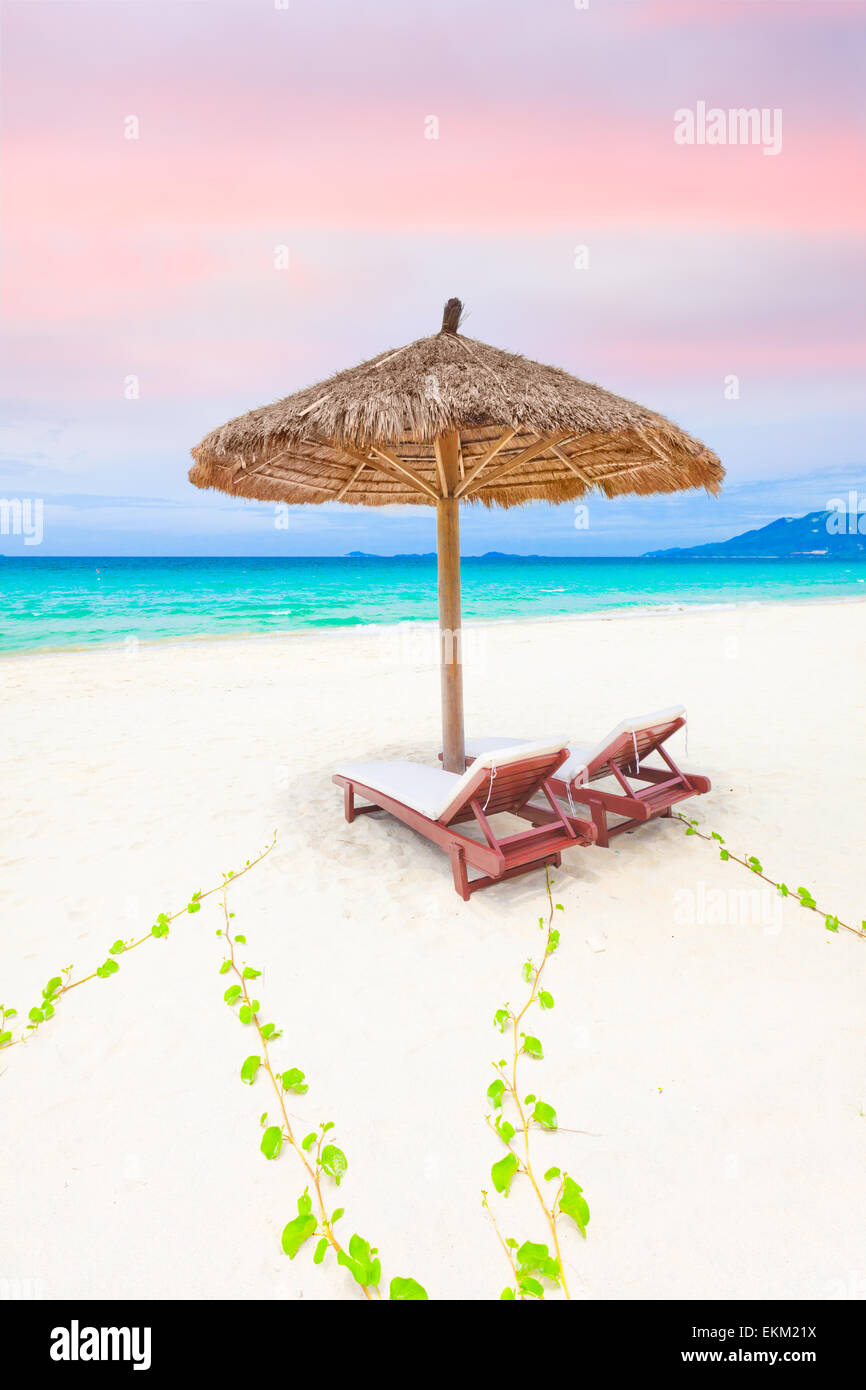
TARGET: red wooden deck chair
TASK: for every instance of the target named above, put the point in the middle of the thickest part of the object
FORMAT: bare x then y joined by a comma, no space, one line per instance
434,802
622,755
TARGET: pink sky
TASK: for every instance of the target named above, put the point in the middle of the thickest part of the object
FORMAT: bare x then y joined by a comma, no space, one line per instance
306,127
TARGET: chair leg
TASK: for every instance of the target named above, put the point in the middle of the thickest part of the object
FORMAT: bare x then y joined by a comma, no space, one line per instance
458,868
599,820
349,803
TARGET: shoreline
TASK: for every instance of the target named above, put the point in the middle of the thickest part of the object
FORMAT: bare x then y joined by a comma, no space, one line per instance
115,646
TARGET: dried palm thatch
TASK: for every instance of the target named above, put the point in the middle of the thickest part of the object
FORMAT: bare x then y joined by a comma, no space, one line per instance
520,431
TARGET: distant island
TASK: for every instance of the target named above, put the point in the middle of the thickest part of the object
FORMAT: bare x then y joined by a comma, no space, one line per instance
431,555
818,535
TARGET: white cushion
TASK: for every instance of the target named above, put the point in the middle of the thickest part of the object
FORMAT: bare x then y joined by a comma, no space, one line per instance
431,790
581,755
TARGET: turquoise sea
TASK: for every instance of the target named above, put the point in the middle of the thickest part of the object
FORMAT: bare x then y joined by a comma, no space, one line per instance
50,603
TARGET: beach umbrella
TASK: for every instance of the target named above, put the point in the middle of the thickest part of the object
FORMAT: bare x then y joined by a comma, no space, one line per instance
442,421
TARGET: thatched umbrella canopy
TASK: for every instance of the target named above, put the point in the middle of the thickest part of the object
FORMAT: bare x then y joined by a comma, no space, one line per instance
446,420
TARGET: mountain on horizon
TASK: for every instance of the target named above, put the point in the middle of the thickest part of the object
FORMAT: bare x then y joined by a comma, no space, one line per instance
818,535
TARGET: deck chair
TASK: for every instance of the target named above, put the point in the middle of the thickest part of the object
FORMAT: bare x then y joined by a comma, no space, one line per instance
434,802
621,754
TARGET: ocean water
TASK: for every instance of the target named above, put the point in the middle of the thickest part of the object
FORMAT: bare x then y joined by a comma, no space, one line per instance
52,603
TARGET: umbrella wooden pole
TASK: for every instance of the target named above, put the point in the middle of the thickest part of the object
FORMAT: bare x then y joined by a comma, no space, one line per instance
450,633
450,620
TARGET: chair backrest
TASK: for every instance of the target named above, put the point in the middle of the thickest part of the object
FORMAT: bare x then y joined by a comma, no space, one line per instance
505,778
633,737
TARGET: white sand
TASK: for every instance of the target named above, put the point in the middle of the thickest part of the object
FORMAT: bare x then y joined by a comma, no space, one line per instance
720,1067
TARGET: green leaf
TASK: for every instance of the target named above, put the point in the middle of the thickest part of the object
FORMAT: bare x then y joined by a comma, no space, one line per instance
335,1216
52,987
293,1080
783,889
161,926
320,1251
249,1069
506,1294
193,907
360,1262
108,967
714,834
831,923
531,1286
500,1018
403,1290
723,854
552,939
502,1173
551,1173
296,1233
505,1129
272,1140
532,1047
307,1140
755,864
305,1203
226,967
495,1092
573,1204
691,831
36,1015
232,993
544,1114
545,999
241,939
537,1259
527,970
334,1162
806,897
117,949
250,974
4,1038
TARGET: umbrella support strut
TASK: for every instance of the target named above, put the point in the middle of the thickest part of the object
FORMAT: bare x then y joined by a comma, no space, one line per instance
450,633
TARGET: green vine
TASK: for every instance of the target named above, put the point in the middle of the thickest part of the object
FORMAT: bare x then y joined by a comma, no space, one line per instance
61,984
801,895
533,1265
324,1163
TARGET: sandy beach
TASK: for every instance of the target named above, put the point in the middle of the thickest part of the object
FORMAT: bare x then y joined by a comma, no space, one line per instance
708,1037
